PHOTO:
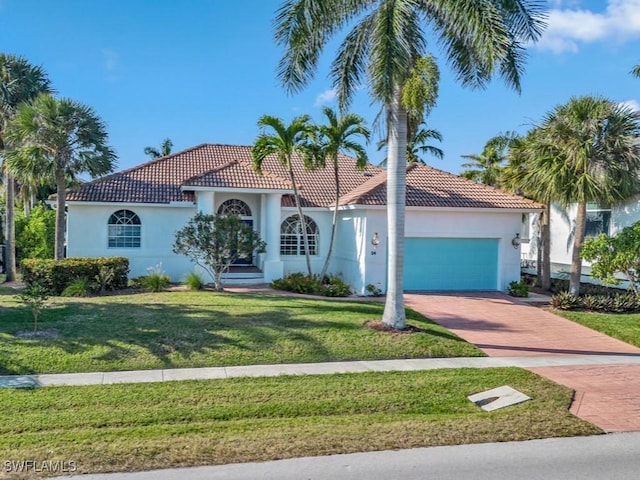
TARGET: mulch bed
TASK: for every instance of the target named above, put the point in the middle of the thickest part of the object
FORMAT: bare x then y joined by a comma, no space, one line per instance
380,326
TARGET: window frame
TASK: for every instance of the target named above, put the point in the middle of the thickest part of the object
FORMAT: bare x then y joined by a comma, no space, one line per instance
291,238
605,220
125,231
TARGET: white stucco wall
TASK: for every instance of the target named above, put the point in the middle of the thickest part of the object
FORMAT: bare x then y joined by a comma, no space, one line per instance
87,236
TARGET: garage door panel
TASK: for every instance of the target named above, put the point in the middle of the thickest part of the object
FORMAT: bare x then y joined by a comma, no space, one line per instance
451,264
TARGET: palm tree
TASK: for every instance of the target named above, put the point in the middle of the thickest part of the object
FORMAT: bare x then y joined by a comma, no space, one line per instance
479,38
417,144
58,139
636,71
517,176
19,82
487,167
337,137
588,152
165,149
286,142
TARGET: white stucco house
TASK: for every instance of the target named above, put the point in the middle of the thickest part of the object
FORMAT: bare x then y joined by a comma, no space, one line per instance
459,234
600,219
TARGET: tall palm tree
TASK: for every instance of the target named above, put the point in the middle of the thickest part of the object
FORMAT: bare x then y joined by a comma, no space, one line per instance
387,38
336,137
517,176
19,82
636,71
588,152
58,139
165,149
285,142
487,167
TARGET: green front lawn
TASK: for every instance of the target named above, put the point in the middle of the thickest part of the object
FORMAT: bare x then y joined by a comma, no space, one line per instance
145,426
625,327
204,329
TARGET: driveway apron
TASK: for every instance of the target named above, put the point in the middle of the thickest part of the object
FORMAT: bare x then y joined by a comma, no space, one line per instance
502,326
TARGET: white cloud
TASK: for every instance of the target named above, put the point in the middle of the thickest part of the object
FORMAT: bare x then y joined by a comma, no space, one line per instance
110,58
569,28
632,104
325,97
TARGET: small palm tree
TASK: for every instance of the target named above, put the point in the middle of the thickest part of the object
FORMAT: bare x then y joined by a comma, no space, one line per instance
285,142
384,45
487,167
19,82
58,139
336,137
587,151
418,144
165,149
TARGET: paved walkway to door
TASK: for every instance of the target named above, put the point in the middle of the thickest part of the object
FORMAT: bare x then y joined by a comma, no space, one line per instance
607,395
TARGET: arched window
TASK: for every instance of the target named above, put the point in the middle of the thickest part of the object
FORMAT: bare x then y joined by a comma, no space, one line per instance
124,230
234,207
291,240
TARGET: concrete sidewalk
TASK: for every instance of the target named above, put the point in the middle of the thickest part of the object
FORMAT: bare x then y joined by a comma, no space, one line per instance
327,368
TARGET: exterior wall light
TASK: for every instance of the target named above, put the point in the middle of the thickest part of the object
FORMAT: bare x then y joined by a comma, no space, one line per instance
375,240
516,241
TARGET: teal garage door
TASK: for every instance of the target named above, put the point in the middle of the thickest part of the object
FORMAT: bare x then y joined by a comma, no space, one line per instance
451,264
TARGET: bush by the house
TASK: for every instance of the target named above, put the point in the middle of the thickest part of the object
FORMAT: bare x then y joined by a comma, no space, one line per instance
56,276
194,281
80,287
615,303
35,235
155,280
518,289
329,286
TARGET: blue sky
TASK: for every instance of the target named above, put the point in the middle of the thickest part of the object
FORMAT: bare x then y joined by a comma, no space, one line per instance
204,71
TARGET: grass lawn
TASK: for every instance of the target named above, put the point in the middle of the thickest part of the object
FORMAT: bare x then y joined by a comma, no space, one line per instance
144,426
625,327
204,329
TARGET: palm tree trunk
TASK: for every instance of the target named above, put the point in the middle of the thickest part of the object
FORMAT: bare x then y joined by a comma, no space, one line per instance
303,224
10,230
61,186
576,261
334,225
394,314
545,282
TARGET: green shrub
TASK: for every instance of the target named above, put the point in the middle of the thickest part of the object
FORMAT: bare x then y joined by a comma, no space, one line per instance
329,286
194,281
518,289
373,290
80,287
35,236
56,276
618,303
155,280
566,301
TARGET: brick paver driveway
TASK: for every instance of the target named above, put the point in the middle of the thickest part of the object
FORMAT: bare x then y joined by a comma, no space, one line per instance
502,326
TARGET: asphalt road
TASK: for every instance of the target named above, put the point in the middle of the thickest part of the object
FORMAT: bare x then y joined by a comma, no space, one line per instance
611,457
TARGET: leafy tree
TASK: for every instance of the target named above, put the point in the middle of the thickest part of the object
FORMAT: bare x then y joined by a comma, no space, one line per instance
587,152
487,167
165,149
58,139
285,142
35,235
336,137
214,242
19,82
611,255
384,45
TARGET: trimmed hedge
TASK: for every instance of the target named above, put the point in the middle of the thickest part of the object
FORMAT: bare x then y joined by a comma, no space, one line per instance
56,276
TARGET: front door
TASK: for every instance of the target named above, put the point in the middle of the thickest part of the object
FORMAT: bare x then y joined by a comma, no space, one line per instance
248,260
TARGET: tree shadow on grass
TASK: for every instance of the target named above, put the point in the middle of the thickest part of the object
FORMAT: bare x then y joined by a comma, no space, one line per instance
163,331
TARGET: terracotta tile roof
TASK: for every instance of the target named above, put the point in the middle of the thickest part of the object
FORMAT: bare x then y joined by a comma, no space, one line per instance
168,179
430,187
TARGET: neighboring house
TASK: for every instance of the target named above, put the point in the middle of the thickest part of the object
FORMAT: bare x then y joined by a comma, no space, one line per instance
458,233
600,219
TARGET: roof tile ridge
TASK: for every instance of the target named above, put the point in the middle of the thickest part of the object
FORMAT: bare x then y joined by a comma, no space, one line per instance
365,188
215,169
265,173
